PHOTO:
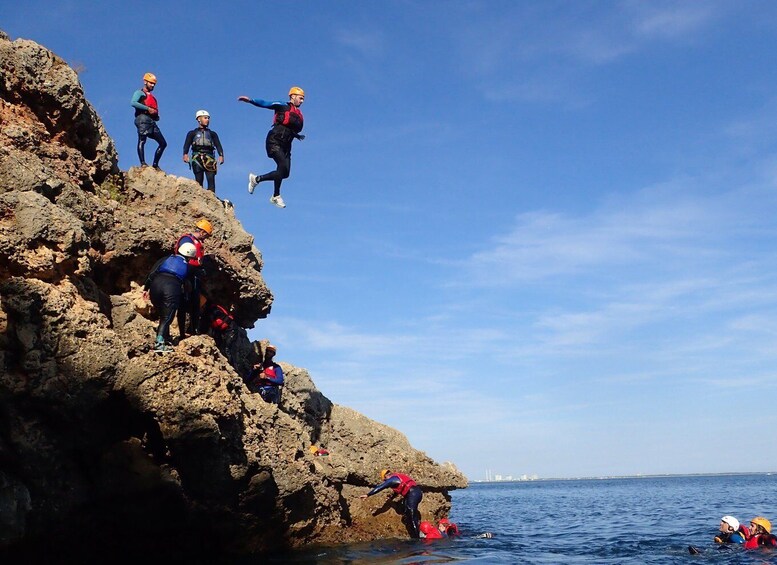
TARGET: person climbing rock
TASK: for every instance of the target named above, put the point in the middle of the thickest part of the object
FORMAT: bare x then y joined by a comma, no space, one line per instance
406,487
267,376
219,323
203,143
190,305
164,286
287,125
146,117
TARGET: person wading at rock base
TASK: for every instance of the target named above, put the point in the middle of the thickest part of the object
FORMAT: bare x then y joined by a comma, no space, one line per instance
287,125
146,117
193,285
406,487
203,142
164,286
267,376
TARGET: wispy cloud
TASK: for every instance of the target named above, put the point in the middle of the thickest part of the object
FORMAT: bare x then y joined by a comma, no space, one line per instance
362,42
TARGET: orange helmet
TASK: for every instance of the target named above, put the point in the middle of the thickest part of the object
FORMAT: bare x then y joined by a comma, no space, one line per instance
296,90
205,226
149,77
383,474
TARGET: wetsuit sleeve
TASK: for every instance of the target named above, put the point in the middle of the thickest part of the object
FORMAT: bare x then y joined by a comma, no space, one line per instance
390,482
187,144
275,105
217,142
135,102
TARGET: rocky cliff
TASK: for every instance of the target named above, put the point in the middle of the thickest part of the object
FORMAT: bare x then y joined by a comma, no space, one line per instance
104,444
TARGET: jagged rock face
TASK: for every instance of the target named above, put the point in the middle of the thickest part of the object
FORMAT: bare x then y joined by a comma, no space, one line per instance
102,442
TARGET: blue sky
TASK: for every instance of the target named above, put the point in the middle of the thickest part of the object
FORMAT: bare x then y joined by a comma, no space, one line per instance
536,237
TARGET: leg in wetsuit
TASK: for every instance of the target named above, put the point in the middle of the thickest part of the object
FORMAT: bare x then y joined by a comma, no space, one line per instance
165,294
201,173
279,150
148,128
413,517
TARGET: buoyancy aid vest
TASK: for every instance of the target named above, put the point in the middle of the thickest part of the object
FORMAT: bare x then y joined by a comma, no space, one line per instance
404,486
151,102
195,261
174,265
202,140
221,318
761,540
291,118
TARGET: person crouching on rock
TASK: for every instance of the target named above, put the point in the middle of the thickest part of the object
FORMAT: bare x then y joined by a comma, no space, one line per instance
220,324
164,285
406,487
267,377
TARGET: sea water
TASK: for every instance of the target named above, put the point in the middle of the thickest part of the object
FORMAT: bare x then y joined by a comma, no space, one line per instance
633,520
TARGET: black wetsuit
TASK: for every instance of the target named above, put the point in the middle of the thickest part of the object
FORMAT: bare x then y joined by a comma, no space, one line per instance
203,142
279,138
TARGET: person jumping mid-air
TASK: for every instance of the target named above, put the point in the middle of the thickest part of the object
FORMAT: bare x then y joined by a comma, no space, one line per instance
287,125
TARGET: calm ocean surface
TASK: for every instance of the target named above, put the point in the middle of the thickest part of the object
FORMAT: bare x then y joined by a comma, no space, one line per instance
645,521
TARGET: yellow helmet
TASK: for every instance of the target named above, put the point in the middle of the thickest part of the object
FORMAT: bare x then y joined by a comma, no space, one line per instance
383,474
296,90
149,77
205,226
763,522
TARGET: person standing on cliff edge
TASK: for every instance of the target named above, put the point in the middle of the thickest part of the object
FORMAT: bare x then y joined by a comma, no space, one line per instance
287,123
146,117
406,487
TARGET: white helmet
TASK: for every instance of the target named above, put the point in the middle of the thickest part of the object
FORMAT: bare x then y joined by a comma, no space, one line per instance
187,250
201,113
731,521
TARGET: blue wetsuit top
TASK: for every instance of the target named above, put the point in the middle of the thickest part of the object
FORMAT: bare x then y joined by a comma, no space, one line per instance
274,105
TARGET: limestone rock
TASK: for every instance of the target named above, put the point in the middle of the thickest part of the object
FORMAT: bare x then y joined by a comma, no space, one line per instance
106,445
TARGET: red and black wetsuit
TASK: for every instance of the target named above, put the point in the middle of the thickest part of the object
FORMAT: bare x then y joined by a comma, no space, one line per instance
287,125
411,492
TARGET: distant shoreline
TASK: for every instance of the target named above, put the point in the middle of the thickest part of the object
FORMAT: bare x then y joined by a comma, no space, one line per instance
613,477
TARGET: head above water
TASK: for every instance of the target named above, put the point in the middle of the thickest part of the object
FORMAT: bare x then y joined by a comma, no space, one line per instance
732,522
761,522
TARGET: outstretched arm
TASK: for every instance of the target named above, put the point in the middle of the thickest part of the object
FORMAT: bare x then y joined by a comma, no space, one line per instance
390,482
272,105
